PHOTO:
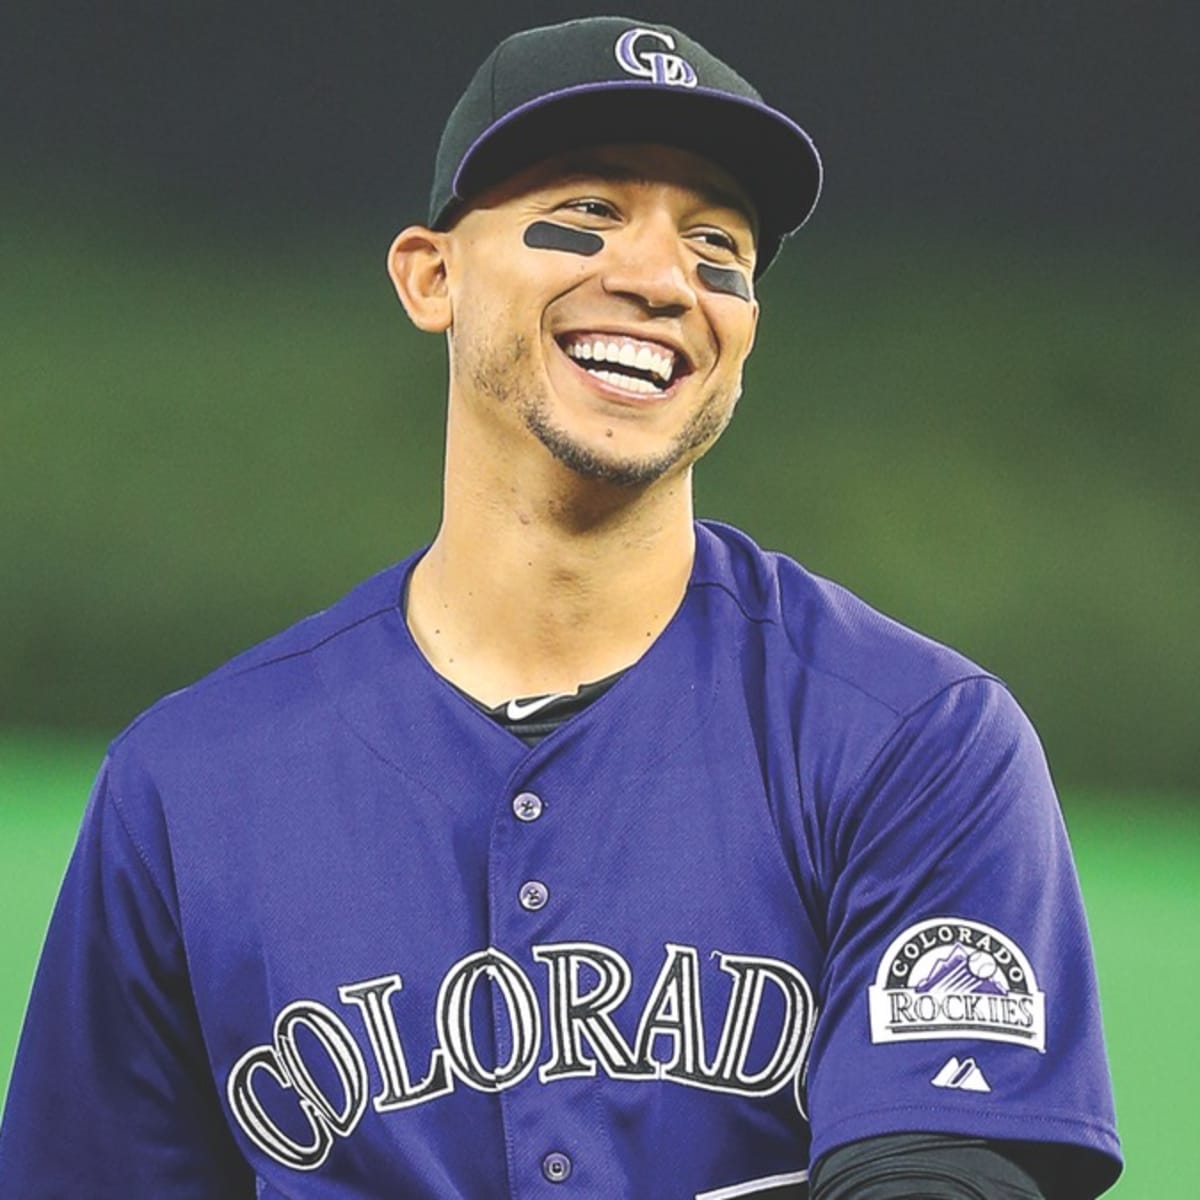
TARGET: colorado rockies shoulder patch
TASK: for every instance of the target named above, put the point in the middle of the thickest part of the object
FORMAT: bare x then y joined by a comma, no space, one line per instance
951,978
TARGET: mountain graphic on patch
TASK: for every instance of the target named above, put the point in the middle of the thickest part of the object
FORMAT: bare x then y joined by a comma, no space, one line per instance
956,973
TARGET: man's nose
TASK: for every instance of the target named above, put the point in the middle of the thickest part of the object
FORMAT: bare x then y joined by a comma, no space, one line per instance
647,262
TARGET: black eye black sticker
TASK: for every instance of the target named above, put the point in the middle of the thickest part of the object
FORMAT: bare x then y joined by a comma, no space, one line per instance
725,279
545,235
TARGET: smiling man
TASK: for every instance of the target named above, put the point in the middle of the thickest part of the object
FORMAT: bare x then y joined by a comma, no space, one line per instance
591,365
591,850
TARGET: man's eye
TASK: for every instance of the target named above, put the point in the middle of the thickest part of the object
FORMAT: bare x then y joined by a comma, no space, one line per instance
714,237
592,208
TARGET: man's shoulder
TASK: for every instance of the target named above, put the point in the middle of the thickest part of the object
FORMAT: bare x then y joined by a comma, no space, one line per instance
269,682
824,629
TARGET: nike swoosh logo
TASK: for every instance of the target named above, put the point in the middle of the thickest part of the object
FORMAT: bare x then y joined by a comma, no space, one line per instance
518,710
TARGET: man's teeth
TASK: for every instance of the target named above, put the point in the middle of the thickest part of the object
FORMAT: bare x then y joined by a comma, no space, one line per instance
660,363
631,383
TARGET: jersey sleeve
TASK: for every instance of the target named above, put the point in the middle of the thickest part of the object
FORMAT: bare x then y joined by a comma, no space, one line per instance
959,994
935,1166
111,1096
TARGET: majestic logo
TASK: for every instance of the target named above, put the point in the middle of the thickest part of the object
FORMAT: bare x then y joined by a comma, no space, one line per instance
653,64
314,1073
962,1076
950,978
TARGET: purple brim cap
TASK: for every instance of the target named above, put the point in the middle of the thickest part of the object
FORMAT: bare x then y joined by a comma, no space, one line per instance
615,79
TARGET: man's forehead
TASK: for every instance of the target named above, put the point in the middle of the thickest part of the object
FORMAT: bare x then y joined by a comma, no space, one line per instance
645,164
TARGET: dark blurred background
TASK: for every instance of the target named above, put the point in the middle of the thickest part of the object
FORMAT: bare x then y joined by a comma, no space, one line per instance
973,402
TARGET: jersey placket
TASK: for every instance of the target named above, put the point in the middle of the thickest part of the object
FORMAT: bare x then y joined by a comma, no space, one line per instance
553,1142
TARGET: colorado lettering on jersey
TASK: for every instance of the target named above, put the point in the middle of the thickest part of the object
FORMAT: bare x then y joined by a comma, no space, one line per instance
586,983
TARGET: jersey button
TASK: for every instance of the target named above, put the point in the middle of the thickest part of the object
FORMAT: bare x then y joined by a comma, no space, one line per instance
527,806
533,895
556,1167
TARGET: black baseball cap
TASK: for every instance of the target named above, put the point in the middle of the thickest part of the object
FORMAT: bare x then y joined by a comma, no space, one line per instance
616,79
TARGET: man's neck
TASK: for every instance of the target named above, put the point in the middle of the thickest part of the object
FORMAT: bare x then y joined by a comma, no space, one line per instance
551,585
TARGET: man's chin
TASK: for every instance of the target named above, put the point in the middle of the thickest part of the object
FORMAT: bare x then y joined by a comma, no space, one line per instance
599,464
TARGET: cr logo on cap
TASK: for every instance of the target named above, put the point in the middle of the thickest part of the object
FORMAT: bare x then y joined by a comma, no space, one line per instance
654,64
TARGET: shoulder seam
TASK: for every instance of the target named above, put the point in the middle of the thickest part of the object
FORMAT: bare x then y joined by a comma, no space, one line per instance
901,714
220,673
902,719
143,857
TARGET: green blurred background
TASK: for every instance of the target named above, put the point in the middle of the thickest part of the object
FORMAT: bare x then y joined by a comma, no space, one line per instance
973,401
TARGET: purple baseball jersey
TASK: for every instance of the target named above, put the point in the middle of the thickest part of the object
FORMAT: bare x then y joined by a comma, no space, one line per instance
797,879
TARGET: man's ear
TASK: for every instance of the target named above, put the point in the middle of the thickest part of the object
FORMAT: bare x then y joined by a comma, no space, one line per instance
417,265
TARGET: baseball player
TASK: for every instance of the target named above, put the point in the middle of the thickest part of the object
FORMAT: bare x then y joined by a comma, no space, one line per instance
591,851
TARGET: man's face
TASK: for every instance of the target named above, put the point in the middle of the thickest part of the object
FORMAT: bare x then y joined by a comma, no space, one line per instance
535,327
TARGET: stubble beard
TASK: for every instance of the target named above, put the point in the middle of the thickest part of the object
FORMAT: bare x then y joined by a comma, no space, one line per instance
501,374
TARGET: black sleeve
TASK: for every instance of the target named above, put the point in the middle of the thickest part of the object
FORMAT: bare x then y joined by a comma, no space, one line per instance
930,1166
